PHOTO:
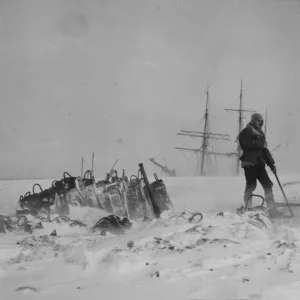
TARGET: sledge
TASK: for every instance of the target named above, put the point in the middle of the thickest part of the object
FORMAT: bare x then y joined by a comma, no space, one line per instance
134,198
113,192
138,204
87,189
164,201
262,207
102,196
36,203
72,191
157,193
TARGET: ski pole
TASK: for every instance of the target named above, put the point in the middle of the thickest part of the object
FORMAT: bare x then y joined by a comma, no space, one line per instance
283,193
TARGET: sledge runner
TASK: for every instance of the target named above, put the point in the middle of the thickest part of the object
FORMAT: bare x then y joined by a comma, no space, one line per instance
254,159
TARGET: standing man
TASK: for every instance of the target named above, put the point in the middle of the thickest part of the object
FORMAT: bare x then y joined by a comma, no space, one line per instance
254,159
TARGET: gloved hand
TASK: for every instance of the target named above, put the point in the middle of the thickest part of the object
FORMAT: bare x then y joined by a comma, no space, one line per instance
273,169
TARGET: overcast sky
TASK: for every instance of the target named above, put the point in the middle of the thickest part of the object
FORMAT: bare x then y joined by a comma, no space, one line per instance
121,78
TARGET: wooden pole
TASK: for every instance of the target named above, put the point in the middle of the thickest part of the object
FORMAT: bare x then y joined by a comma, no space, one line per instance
240,111
205,137
93,164
82,167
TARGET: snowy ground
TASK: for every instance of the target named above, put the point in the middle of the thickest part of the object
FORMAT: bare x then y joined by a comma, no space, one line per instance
222,257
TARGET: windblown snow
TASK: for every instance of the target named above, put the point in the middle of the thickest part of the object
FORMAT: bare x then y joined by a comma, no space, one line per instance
222,256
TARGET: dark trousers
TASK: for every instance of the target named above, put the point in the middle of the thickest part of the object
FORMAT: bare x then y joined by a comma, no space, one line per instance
252,174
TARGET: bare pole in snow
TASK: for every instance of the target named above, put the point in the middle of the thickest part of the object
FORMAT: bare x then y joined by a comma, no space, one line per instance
82,160
206,137
93,164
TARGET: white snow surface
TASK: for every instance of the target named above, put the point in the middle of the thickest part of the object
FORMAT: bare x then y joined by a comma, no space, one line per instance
221,257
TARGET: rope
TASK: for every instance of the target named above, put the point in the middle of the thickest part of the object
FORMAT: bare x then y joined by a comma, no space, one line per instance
190,219
254,195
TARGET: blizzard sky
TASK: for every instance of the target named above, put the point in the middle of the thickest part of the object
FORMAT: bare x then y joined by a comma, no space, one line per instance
121,78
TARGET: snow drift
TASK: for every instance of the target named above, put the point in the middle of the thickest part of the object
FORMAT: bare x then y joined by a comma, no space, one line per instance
223,256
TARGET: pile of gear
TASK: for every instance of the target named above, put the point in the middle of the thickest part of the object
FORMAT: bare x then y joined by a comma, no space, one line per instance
133,198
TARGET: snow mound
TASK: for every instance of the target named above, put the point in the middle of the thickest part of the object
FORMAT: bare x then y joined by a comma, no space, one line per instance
176,257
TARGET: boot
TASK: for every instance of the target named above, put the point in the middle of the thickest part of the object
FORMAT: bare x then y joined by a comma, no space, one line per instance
273,212
248,200
271,208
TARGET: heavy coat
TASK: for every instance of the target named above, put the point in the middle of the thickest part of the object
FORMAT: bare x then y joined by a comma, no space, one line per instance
254,146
